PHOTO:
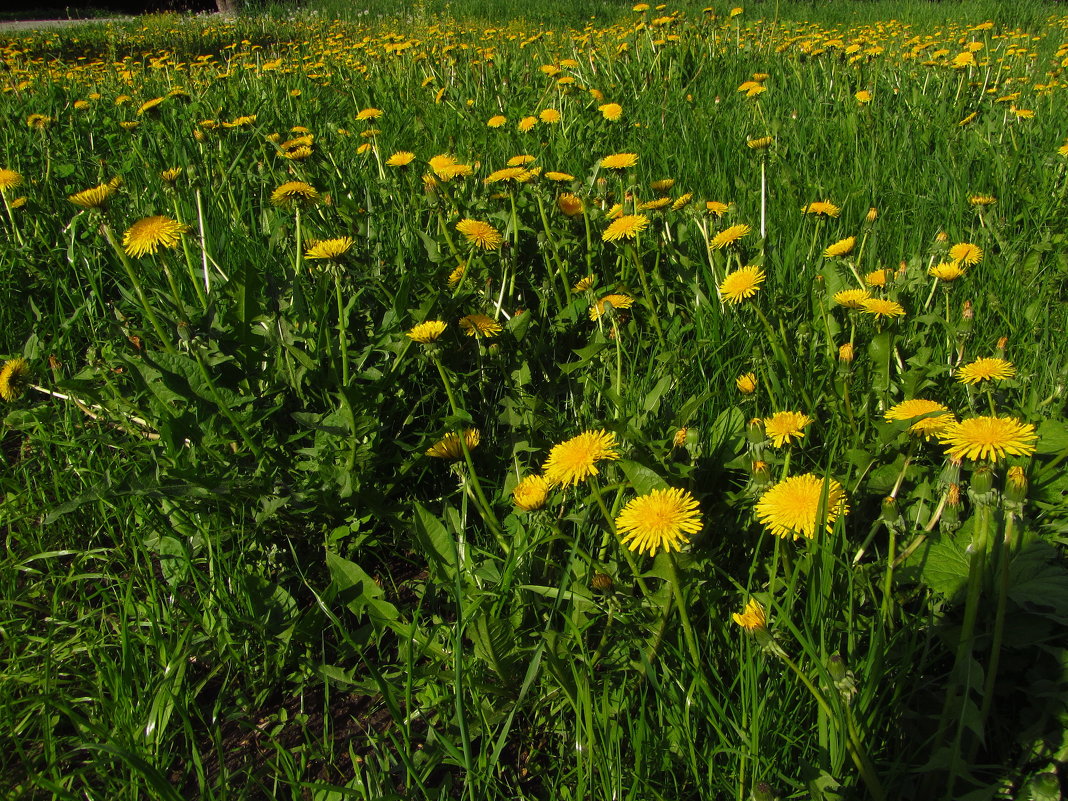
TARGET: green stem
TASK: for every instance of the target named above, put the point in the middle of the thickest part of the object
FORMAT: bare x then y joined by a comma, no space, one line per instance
189,258
999,620
227,411
684,615
343,341
132,275
654,318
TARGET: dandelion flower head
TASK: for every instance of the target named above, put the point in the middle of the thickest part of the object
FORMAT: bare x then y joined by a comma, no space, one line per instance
728,236
576,459
531,493
480,325
990,438
783,427
598,309
626,227
659,520
450,447
151,233
619,161
880,307
480,234
966,253
790,508
753,617
427,332
13,377
934,416
986,369
741,284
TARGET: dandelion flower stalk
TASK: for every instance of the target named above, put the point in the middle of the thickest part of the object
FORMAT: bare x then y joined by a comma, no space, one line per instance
188,255
132,275
472,475
632,251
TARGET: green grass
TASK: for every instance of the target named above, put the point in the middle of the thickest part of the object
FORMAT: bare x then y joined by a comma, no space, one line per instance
231,570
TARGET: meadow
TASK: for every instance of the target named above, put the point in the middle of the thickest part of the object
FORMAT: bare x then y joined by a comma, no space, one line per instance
667,403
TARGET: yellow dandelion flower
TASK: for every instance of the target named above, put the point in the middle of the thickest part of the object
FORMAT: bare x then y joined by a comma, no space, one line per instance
96,197
682,201
450,447
531,493
611,111
456,275
332,249
570,204
986,369
662,185
990,438
149,234
880,307
947,271
150,105
585,284
170,176
576,459
792,506
876,278
9,179
762,143
741,284
402,158
496,121
821,208
369,114
716,208
526,124
550,116
982,200
292,193
966,253
619,161
39,121
783,427
968,120
658,521
626,227
753,617
480,325
521,160
427,332
480,234
13,378
728,236
506,174
934,416
851,298
843,247
561,177
863,97
598,309
746,383
654,205
680,437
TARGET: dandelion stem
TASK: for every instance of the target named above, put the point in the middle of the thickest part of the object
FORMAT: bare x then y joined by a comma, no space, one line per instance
132,275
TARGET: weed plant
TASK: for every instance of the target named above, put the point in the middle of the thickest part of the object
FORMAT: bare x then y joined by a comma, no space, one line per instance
668,406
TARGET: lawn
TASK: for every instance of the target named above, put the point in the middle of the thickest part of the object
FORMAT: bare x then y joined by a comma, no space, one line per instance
511,401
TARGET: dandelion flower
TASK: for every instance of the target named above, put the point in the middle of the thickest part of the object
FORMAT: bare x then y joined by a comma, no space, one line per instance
876,278
626,227
9,179
988,438
966,253
13,377
598,309
716,208
682,201
531,493
496,121
968,120
654,205
619,161
851,298
96,197
570,204
741,284
662,184
521,161
982,200
330,248
576,459
561,177
149,234
728,236
402,158
843,247
935,416
753,617
292,193
762,143
611,111
427,332
790,508
821,208
746,383
947,271
526,124
369,114
480,234
450,447
986,369
39,122
506,174
479,325
863,97
456,275
585,284
783,427
550,116
659,520
882,308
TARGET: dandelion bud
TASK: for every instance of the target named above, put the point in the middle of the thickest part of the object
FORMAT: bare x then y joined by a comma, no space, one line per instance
967,313
872,215
602,582
1015,485
845,353
1001,345
763,792
836,667
761,474
890,514
755,431
953,495
746,383
982,480
942,237
680,437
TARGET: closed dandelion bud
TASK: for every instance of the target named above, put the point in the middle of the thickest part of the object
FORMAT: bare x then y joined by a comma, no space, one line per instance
845,353
950,520
890,513
836,667
953,496
843,679
1015,485
602,582
1001,345
761,474
754,432
762,792
982,480
942,237
872,215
